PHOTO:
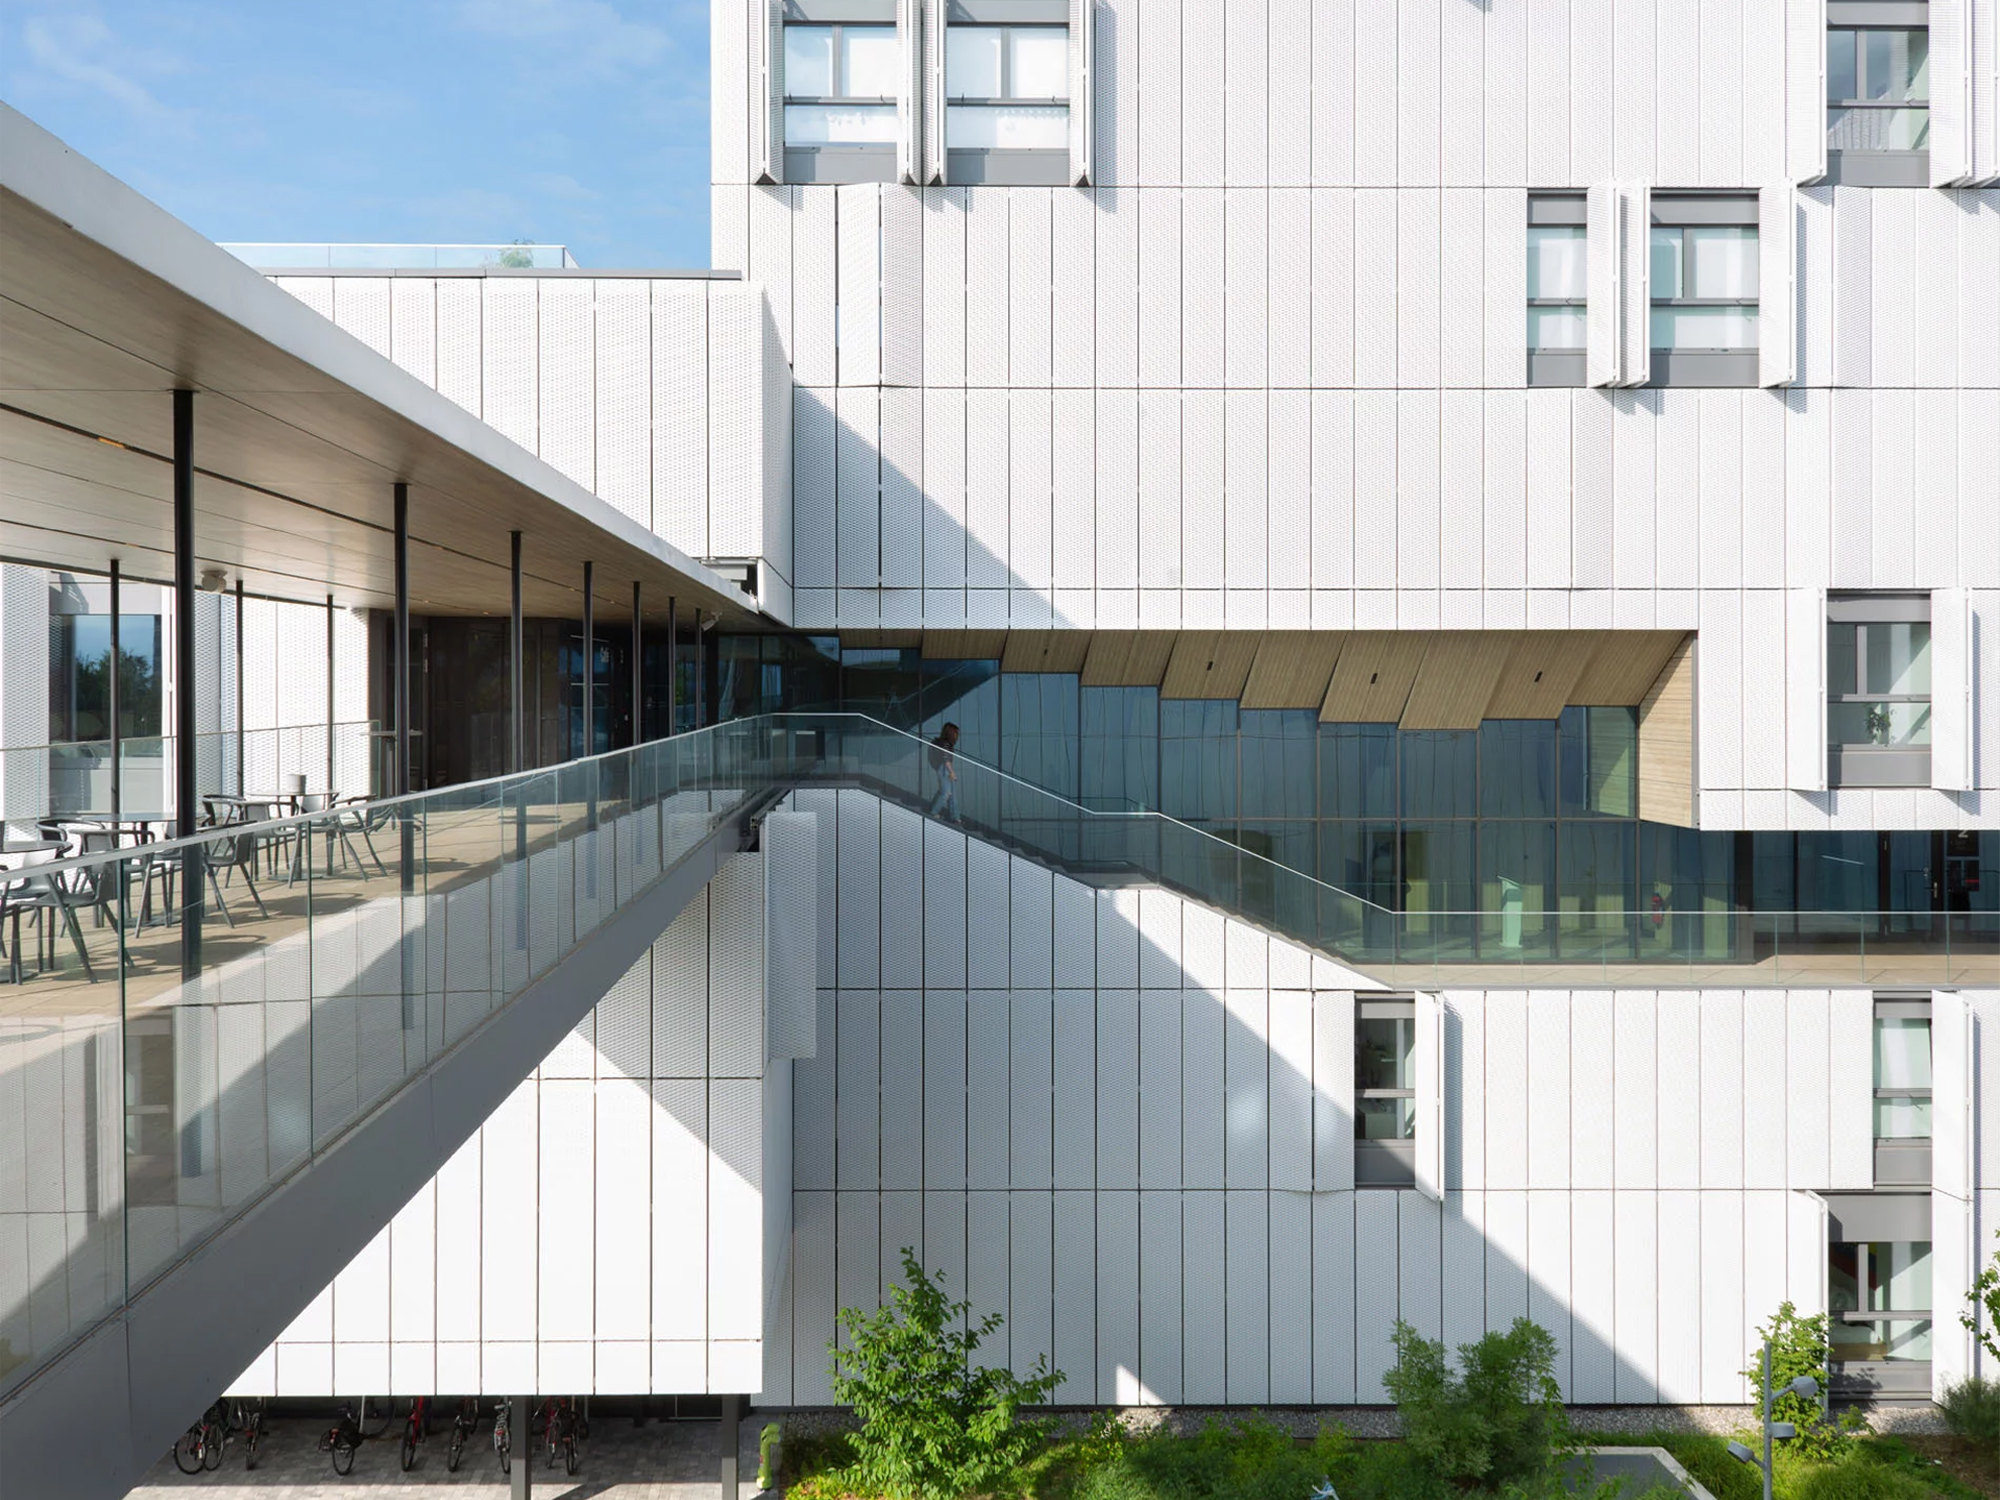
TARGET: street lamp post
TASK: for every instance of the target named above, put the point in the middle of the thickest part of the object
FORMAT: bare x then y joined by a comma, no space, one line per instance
1805,1388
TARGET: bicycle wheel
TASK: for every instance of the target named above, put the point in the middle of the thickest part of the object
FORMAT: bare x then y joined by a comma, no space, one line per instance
187,1451
343,1458
409,1452
505,1466
569,1456
211,1456
454,1452
388,1416
252,1436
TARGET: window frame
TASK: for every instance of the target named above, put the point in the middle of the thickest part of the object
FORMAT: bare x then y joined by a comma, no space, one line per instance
836,161
1391,1163
972,166
1557,367
1867,168
1863,765
1703,367
1867,1316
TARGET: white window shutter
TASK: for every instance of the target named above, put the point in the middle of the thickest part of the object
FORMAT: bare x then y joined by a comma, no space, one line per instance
1951,91
1805,690
1430,1096
1951,690
1082,23
1984,94
1602,315
1954,1127
1635,284
1805,89
770,164
910,92
1777,293
933,92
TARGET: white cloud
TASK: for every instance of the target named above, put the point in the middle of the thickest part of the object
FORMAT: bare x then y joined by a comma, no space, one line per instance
590,34
80,49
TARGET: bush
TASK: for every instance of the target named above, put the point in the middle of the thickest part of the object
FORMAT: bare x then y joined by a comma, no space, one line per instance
1499,1420
1799,1347
1250,1459
933,1425
1859,1481
1971,1409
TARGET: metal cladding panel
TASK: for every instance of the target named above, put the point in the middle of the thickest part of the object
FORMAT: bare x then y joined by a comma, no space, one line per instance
986,488
680,1160
1073,1079
1806,1089
1462,1310
1719,689
1506,1227
944,1082
1246,260
987,1043
1116,1082
857,924
815,1298
858,488
1374,81
679,479
1161,1324
1506,496
1634,421
1290,1084
1592,1298
1203,91
1593,1050
1635,1108
1204,1298
857,1089
622,1241
1548,1094
1851,485
507,1256
1246,1089
1073,1344
1114,102
1030,1116
944,213
1417,503
986,281
1247,1296
1894,510
1374,268
987,893
1159,1088
1506,268
1075,516
1204,288
1203,1099
1376,1300
1722,1322
1602,245
903,291
1548,1268
1159,287
1332,288
361,307
1851,1080
1030,1263
1333,1090
1892,307
1548,489
508,368
1116,220
1766,1117
1764,689
1977,304
815,305
1246,80
413,330
1332,527
858,212
902,493
1721,1117
1464,1122
1549,89
1937,488
1417,291
1460,313
622,404
736,444
1333,1330
1159,498
1246,533
1074,274
1937,289
903,1101
944,540
1203,483
1951,65
1374,489
857,1261
458,342
1030,488
1030,277
1953,691
1289,474
1115,1293
903,886
567,357
1679,1057
1506,1089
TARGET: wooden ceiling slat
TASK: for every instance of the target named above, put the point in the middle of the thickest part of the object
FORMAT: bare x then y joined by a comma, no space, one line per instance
1536,679
1456,680
1372,676
964,645
1212,664
1045,651
1292,669
1625,666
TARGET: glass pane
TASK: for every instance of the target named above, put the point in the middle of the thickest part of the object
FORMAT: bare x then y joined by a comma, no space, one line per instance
868,62
1038,729
1556,328
1895,64
1841,78
1517,768
1360,857
1386,1119
1708,329
1902,1119
809,62
1440,773
1011,127
1598,869
1879,128
1878,723
1600,749
1724,260
1278,747
1437,876
1666,269
1357,770
1903,1339
1902,1052
1841,659
840,125
1899,658
1556,262
1038,57
1517,876
1198,760
1121,748
1902,1276
972,62
1385,1052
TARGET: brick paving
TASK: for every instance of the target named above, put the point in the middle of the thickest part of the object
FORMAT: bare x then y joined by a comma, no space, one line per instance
660,1461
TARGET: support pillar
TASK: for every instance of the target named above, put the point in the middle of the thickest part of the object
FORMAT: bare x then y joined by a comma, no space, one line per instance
589,660
400,651
732,1414
517,743
242,743
332,706
673,665
111,693
185,789
638,670
521,1449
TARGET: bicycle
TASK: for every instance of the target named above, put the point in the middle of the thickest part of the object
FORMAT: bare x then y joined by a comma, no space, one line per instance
248,1418
341,1439
200,1447
501,1417
415,1430
463,1425
560,1428
388,1416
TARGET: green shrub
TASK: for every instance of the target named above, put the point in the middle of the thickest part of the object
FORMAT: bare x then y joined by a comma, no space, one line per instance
1858,1480
1799,1347
1498,1420
1971,1409
934,1426
1247,1459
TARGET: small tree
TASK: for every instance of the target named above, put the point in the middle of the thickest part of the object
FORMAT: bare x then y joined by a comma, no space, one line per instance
1799,1347
933,1425
1498,1420
1985,1297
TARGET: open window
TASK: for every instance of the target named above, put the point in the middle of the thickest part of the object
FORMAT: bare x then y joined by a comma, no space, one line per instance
1878,116
1011,69
841,80
1878,690
1558,289
1703,275
1903,1091
1385,1093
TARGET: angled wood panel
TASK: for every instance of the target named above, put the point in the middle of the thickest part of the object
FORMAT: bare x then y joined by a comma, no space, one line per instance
964,645
1209,664
1540,670
1372,677
1292,669
1045,651
1625,666
1456,680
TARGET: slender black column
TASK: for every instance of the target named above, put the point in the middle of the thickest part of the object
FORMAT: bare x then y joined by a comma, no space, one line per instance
711,672
332,763
242,771
184,682
400,650
732,1411
589,661
517,746
521,1449
673,665
638,670
111,692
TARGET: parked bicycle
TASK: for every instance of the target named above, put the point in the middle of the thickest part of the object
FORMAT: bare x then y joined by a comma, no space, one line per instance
501,1418
561,1431
370,1428
415,1430
247,1417
341,1439
463,1426
200,1447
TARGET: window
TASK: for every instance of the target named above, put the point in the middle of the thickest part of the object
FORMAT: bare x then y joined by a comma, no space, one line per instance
840,100
1702,256
1878,690
1878,88
1007,88
1385,1093
1879,1293
1902,1077
1557,290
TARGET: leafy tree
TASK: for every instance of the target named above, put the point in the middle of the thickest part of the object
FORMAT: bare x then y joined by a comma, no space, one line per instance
934,1426
1799,1347
1498,1420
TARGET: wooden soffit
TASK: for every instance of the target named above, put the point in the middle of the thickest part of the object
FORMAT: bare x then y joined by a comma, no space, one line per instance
1457,678
1625,666
1210,664
1045,651
1292,669
1372,676
1536,679
964,645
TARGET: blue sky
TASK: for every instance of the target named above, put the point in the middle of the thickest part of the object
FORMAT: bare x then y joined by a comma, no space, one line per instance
582,122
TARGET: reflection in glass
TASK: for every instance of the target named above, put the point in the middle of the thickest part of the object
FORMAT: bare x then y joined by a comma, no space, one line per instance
1007,127
1705,329
1385,1077
1037,62
1440,773
1517,768
1357,770
1121,748
1600,755
1278,753
1517,868
809,62
1877,85
1902,1062
1880,1277
1198,759
973,59
1557,265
